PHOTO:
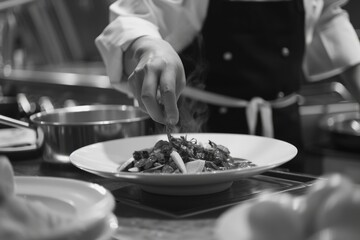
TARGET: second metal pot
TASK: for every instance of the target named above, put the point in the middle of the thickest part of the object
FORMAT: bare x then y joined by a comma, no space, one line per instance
68,129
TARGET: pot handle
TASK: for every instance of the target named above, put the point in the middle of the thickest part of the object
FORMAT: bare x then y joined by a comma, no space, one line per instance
14,122
21,124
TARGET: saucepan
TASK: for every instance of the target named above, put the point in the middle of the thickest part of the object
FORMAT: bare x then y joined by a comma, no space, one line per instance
343,129
61,131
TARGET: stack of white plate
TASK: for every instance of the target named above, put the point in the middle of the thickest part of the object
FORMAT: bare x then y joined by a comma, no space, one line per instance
88,205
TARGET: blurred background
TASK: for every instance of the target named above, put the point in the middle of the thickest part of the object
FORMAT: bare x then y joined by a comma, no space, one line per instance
48,52
48,60
51,33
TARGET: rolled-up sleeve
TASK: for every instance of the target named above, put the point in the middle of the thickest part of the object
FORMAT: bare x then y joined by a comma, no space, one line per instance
176,21
335,45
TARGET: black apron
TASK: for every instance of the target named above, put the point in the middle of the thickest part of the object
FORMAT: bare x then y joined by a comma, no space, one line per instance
254,49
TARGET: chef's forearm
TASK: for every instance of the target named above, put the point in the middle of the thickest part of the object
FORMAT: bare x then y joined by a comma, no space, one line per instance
351,80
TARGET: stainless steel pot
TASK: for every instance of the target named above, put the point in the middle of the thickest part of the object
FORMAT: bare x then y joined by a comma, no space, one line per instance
343,129
67,129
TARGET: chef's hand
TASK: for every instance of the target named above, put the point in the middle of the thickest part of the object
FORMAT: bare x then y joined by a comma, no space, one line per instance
156,78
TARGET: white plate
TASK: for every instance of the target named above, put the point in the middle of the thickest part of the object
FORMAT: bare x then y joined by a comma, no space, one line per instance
104,158
89,205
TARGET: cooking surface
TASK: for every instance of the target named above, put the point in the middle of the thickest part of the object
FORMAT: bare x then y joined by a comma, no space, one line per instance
143,215
133,202
190,206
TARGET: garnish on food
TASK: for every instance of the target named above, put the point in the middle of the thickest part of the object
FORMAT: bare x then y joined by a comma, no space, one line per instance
180,155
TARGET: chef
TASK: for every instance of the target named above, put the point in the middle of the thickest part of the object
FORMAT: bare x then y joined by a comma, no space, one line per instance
254,54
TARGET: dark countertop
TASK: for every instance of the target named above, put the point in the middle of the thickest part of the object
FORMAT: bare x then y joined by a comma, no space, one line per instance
143,215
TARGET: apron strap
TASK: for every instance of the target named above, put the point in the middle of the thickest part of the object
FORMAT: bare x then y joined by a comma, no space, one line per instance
253,107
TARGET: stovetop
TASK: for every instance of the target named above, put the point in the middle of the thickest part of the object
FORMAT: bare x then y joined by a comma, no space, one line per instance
189,206
132,200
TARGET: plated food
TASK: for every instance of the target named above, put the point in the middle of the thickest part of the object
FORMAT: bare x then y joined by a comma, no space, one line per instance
104,159
330,210
183,155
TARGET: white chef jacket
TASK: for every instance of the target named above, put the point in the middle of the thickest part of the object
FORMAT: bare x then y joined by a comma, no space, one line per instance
332,44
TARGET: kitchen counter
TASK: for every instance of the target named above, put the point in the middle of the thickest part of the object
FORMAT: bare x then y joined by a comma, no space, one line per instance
143,215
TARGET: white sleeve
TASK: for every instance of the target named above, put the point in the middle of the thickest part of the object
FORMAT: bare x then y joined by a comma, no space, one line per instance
176,21
334,46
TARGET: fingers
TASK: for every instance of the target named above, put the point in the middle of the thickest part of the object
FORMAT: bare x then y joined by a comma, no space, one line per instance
149,91
180,81
135,85
145,83
168,89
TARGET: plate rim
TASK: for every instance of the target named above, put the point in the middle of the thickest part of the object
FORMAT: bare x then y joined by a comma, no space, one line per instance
130,176
99,212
